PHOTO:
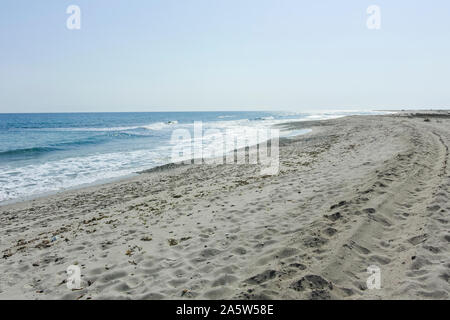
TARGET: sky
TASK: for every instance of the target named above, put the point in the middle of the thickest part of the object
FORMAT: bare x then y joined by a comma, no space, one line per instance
185,55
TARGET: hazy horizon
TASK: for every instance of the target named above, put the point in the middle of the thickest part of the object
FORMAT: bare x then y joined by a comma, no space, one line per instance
319,111
149,56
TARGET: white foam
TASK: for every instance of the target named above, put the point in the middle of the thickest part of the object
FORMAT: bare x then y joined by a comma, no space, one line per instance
71,172
151,126
18,182
159,125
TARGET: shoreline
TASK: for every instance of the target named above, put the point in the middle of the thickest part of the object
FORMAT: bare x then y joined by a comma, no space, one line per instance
69,189
158,168
356,191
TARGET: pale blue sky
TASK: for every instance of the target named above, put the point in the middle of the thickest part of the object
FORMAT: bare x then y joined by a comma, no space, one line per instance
158,55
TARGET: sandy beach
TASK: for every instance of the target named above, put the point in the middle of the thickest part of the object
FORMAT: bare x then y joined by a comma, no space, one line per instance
355,192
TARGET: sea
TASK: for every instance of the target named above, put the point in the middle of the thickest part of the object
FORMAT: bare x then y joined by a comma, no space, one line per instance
42,153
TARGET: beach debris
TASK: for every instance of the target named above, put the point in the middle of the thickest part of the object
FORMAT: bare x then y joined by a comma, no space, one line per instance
77,289
132,250
21,242
43,244
7,254
62,282
340,204
53,239
241,182
184,292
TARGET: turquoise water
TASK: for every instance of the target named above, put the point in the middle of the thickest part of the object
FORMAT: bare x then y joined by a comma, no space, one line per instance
41,153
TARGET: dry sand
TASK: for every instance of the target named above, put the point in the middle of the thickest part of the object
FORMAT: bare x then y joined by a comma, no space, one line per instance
355,192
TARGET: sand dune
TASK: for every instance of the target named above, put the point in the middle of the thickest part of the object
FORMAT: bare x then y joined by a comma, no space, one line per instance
355,192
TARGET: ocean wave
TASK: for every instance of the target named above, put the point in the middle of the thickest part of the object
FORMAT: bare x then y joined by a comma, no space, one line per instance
265,118
83,141
159,125
36,151
151,126
28,151
71,172
76,168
